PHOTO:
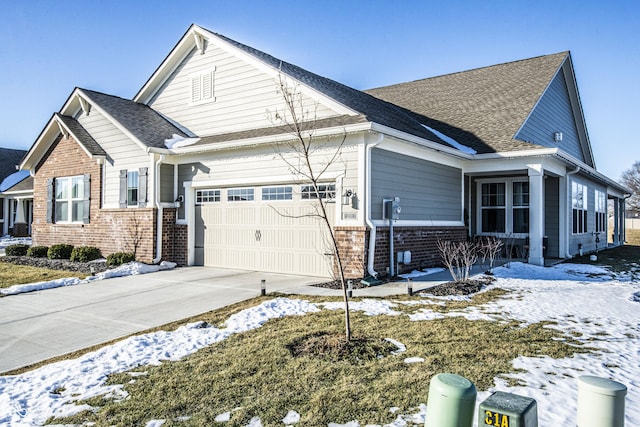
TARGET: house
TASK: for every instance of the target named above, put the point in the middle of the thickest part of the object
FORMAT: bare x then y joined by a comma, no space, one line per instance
196,168
16,194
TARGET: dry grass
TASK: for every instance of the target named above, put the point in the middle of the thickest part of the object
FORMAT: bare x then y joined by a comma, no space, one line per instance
11,274
260,372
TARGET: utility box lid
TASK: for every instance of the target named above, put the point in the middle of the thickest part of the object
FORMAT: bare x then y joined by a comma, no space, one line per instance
454,386
508,410
602,386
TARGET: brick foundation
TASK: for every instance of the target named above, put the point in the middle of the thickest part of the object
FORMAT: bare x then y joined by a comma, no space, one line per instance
174,238
353,243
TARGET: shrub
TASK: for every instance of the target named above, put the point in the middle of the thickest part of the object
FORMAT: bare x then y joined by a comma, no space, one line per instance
85,253
18,249
119,258
60,251
38,251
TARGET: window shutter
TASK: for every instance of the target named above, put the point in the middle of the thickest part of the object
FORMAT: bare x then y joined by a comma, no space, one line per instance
51,200
86,200
207,85
196,90
123,188
142,187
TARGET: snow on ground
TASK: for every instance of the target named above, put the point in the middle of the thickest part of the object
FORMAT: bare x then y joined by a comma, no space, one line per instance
421,273
586,302
128,269
9,240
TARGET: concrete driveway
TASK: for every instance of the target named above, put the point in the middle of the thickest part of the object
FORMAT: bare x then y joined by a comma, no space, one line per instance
39,325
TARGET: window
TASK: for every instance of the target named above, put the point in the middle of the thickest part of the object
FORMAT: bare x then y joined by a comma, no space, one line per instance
520,213
579,205
493,207
601,211
207,196
277,193
240,194
327,191
69,199
202,87
132,188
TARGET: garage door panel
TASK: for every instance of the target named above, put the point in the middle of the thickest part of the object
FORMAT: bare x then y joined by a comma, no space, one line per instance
278,237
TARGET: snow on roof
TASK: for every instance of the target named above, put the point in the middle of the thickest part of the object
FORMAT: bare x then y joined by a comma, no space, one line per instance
450,141
13,179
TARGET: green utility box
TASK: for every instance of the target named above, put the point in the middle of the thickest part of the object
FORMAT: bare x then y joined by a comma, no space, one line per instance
508,410
451,402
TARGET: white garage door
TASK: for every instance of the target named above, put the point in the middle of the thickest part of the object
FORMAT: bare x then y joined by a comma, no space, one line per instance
237,229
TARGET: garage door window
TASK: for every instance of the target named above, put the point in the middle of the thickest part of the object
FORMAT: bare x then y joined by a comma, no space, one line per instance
207,196
324,191
240,195
277,193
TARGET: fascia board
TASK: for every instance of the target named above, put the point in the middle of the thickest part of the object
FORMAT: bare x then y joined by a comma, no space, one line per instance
37,150
167,66
272,139
594,173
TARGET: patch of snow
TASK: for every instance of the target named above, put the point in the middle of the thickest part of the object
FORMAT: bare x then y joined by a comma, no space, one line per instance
292,417
177,141
13,179
450,141
223,418
349,424
413,360
128,269
255,422
401,347
155,423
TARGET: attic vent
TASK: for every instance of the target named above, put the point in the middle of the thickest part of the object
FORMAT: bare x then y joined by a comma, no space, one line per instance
557,136
202,87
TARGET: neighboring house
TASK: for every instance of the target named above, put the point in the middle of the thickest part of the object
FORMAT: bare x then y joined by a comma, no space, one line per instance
191,169
16,194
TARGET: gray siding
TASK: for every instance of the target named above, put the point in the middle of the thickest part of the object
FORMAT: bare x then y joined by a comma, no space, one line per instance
553,114
588,239
428,191
186,173
166,183
552,216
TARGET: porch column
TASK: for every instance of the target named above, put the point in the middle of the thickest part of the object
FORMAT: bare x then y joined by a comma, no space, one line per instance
616,222
536,214
19,212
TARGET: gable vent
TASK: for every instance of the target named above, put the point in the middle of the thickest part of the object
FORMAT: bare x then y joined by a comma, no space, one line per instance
557,136
202,87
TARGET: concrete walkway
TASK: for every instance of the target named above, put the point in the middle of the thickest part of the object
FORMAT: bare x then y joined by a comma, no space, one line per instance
40,325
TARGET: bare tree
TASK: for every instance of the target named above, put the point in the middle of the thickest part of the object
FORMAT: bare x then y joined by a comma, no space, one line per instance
631,180
488,249
458,257
298,154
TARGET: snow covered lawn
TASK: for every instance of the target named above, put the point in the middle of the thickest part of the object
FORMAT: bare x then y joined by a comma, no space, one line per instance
584,303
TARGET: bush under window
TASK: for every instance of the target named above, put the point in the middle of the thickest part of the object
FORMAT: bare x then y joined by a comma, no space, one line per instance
119,258
85,253
38,251
18,249
60,251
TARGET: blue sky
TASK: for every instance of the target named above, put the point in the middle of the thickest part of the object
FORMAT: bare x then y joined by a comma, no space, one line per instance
49,47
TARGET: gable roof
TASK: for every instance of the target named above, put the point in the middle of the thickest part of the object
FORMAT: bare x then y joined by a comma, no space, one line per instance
81,135
482,108
9,159
143,122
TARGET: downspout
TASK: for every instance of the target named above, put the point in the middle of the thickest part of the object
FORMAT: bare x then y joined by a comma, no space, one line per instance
568,196
372,234
156,187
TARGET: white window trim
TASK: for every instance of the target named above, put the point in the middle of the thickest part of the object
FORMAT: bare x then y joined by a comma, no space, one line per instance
69,200
508,206
600,209
583,208
203,97
288,190
216,191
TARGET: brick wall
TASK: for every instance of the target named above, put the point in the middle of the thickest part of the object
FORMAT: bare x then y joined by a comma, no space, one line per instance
174,238
111,230
421,241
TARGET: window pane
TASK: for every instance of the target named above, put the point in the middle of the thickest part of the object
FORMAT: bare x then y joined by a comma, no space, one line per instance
62,188
493,194
240,194
77,211
77,188
324,191
521,220
277,193
493,220
132,196
62,211
521,194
